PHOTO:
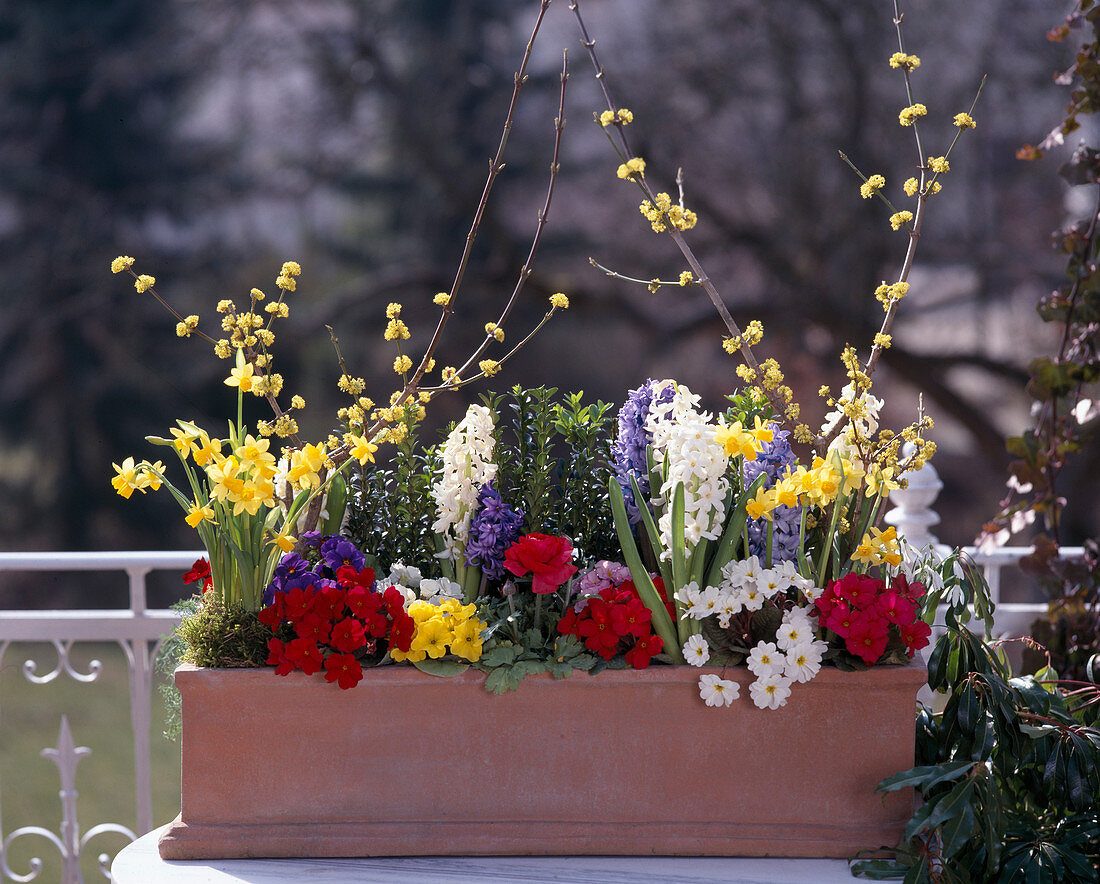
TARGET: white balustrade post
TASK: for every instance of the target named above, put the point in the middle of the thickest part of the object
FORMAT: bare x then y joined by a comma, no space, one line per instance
140,653
912,514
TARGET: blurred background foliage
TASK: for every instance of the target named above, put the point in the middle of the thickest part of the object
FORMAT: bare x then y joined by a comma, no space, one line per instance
214,140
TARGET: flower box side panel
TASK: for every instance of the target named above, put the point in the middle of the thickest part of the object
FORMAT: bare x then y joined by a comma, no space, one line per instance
631,756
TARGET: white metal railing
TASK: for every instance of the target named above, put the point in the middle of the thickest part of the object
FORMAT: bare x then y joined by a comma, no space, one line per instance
139,631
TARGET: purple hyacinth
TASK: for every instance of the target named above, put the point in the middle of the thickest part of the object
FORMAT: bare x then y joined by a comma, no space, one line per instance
632,441
337,551
494,527
774,459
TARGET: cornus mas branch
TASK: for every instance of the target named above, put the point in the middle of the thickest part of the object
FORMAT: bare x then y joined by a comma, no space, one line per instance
700,274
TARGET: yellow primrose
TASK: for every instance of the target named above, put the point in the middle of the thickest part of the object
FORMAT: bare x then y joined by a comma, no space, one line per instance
413,655
467,640
421,611
432,637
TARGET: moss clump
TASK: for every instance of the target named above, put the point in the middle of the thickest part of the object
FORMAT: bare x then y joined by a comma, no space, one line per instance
221,636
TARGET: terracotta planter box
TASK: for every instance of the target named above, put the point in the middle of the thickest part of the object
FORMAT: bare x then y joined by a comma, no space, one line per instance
623,762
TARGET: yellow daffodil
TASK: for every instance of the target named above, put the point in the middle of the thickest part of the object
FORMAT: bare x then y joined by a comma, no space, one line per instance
362,449
881,481
242,375
126,480
223,477
761,432
198,514
865,552
207,451
762,505
184,440
285,542
152,475
737,441
305,465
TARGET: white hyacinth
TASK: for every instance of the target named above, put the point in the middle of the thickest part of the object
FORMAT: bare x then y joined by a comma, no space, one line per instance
467,465
685,437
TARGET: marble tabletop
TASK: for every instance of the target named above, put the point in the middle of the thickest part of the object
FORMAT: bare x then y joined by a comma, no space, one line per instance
139,863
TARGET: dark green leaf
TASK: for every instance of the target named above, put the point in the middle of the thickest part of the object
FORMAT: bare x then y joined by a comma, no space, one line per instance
924,778
956,831
878,869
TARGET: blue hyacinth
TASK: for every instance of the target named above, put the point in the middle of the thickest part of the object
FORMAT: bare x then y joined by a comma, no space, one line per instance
629,448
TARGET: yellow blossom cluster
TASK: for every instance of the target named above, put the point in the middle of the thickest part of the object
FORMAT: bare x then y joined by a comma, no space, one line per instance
188,325
559,301
285,280
905,62
494,331
939,165
442,299
621,117
900,218
964,121
686,278
911,114
889,294
633,166
447,626
871,186
396,330
489,367
878,548
661,212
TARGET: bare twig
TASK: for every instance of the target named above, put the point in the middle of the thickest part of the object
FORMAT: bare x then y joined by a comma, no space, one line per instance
544,212
701,278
